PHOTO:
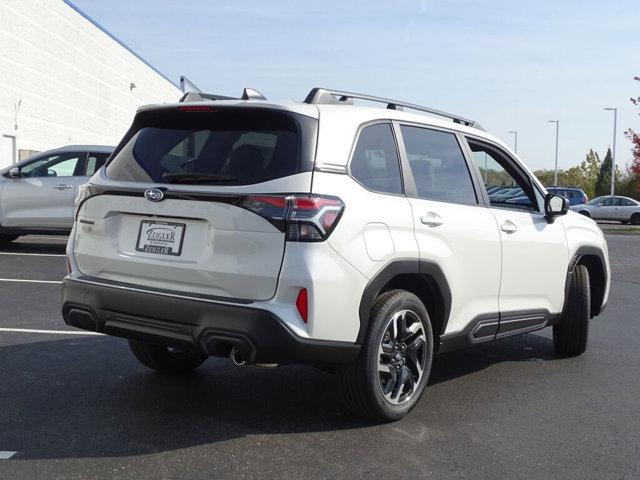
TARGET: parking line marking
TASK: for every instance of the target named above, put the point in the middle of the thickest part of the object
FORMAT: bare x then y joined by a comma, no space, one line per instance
53,332
57,282
6,455
34,254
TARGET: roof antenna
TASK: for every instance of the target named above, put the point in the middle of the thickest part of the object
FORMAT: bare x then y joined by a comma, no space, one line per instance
252,94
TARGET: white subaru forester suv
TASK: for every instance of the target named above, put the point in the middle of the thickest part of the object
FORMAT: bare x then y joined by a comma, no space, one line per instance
353,238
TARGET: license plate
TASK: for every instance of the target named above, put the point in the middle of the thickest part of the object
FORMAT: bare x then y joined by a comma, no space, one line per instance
163,238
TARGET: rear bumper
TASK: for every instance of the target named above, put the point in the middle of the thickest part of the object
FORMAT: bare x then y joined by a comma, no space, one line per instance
204,326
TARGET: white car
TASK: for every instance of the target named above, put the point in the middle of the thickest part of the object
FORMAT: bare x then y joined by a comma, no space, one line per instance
611,207
324,233
37,194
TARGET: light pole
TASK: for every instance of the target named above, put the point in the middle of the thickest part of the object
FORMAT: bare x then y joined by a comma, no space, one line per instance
613,153
555,175
515,142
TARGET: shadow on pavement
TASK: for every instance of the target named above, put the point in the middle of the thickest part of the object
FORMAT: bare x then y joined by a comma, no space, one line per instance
48,245
88,397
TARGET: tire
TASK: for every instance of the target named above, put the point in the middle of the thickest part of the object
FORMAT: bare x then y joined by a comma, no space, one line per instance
362,382
164,359
8,238
585,213
635,219
571,334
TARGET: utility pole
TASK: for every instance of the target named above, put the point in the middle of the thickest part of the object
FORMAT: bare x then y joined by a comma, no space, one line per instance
555,175
613,153
515,143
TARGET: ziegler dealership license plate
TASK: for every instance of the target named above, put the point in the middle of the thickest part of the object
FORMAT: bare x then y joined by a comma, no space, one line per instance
164,238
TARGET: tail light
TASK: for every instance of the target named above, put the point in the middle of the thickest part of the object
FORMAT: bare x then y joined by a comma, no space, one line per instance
84,192
303,218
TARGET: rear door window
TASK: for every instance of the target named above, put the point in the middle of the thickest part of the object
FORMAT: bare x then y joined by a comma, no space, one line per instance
438,166
223,146
95,161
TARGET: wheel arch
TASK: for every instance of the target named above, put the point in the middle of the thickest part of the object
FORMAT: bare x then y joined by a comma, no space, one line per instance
424,279
593,259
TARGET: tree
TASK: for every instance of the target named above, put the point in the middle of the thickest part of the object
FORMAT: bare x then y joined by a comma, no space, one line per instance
634,138
590,169
603,182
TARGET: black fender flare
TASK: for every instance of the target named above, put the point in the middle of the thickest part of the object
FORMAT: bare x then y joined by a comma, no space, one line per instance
430,270
575,260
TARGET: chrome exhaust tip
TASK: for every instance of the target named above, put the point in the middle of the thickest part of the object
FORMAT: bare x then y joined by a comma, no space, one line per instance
236,357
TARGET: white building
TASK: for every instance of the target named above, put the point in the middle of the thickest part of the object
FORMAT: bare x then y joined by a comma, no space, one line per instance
64,80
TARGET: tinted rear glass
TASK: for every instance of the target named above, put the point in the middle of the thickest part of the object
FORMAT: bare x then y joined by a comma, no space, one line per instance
224,146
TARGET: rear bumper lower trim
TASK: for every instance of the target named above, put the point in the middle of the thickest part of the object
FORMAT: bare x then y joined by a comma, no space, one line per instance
205,326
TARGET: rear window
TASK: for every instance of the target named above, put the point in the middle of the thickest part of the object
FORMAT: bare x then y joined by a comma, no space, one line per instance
220,146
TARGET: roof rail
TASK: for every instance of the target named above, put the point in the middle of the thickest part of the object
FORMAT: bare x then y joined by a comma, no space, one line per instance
247,94
339,97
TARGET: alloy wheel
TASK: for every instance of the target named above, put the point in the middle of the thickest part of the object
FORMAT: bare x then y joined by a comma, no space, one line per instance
402,357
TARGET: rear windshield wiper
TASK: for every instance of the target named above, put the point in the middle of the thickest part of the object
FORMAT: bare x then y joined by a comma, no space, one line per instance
195,177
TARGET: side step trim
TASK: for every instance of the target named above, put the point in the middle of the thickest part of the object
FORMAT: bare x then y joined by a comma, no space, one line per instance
493,326
514,324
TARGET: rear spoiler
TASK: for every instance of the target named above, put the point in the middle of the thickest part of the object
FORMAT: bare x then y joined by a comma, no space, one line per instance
247,94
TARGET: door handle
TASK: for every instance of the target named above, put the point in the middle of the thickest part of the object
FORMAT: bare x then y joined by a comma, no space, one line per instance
509,227
63,186
432,219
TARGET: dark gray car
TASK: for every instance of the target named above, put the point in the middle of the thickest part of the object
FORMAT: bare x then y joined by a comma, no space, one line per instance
37,194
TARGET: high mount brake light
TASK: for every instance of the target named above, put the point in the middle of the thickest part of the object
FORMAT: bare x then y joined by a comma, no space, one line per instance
195,108
303,218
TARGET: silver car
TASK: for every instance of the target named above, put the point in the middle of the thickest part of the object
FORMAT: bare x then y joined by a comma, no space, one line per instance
37,194
611,207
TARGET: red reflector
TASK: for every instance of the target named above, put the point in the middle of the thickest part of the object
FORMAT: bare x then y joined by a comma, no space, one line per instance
302,304
195,108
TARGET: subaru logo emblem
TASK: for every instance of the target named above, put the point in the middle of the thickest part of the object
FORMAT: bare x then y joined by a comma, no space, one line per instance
154,194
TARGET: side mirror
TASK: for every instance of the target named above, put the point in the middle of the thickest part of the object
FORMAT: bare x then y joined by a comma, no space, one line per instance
554,206
14,173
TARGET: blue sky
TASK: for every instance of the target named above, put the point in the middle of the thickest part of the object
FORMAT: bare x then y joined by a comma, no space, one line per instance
511,65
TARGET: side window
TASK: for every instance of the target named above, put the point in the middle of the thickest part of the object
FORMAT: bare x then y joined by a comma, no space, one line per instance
94,162
496,170
610,202
375,163
625,202
438,165
61,165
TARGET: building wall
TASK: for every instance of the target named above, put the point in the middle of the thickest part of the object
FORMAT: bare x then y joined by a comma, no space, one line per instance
65,81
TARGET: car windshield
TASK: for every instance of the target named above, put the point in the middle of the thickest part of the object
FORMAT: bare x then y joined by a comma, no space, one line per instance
596,200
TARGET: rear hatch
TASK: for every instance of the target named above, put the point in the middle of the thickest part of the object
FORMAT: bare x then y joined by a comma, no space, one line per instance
189,201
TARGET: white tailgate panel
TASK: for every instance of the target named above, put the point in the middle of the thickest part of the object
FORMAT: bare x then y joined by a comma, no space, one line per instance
226,251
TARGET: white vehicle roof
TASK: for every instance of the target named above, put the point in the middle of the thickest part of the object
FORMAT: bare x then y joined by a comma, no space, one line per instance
340,119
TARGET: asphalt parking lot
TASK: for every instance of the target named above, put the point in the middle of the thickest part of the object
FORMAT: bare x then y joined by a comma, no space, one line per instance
80,406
